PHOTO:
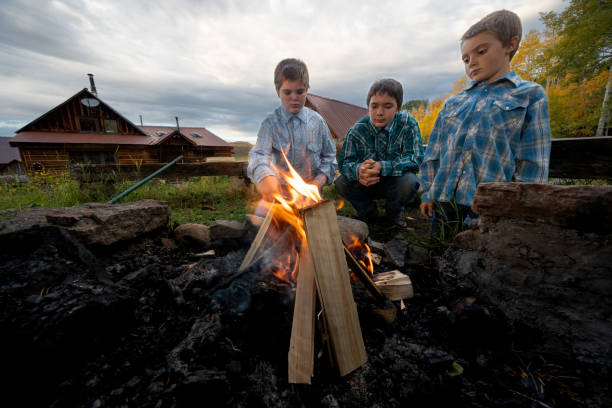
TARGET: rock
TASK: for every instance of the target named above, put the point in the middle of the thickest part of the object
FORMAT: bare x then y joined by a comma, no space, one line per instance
350,227
396,251
541,273
97,224
193,235
418,256
584,208
227,230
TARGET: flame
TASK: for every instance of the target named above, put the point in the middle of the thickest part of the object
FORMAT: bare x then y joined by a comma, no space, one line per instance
287,206
340,205
362,252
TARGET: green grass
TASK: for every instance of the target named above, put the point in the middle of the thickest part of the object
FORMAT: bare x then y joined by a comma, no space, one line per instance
201,200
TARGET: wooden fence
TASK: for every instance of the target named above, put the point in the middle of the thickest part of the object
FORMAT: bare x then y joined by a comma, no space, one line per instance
578,158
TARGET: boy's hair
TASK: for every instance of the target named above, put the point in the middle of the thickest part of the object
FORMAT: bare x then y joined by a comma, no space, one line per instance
389,86
291,69
503,24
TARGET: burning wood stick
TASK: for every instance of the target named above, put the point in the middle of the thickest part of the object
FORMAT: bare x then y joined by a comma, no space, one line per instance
301,345
364,276
333,285
255,245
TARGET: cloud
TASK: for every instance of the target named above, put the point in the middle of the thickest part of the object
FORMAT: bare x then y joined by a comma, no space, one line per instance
211,63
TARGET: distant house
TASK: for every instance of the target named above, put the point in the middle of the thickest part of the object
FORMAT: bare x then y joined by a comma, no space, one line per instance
84,129
340,116
10,161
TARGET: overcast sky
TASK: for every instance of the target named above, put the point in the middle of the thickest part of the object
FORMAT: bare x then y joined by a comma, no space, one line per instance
211,62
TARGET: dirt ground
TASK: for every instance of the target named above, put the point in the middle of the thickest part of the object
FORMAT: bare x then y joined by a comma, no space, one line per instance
160,332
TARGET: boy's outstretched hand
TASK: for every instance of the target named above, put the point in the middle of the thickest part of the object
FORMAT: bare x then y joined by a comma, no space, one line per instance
427,209
268,187
369,172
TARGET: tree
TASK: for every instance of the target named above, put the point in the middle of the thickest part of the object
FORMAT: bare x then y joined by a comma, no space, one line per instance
582,46
414,104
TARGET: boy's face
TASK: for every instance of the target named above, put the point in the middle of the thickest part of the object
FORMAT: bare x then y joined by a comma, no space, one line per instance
292,95
485,58
382,109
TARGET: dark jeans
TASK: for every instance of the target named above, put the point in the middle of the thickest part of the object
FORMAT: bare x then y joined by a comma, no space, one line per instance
449,219
398,191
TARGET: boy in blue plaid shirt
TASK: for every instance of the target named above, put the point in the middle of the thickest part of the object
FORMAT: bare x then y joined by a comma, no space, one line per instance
495,130
380,156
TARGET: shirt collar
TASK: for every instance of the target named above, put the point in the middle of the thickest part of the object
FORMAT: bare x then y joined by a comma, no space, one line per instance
510,76
387,127
286,115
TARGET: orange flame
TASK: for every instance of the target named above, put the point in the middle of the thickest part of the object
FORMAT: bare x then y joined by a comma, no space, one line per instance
362,252
298,195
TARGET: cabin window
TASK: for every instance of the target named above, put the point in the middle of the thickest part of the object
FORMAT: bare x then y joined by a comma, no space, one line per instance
110,126
202,153
88,124
93,157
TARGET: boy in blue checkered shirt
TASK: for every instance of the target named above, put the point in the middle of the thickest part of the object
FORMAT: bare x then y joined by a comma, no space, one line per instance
495,130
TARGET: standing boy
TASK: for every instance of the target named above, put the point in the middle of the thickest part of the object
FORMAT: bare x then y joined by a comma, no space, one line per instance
495,130
294,129
380,156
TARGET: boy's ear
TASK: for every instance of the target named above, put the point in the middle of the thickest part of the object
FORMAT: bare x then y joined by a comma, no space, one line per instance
512,44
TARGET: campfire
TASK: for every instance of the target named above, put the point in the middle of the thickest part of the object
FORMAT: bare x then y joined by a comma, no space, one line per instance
317,261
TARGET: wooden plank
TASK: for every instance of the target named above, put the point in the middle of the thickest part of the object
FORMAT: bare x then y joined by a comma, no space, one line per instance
585,158
257,241
394,284
301,345
333,286
102,172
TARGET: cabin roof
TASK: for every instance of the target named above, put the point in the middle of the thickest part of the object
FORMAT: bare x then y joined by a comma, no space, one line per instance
199,136
340,116
7,152
81,94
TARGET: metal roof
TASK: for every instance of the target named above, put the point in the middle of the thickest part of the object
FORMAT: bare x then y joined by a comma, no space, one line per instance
7,152
340,116
82,138
207,137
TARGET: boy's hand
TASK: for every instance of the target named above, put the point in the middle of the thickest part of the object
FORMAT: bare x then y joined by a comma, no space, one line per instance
369,172
320,181
268,187
427,209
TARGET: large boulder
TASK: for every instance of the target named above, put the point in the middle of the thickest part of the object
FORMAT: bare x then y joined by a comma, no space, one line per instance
545,271
95,224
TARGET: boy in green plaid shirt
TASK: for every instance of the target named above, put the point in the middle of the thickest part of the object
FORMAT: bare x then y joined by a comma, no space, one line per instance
380,156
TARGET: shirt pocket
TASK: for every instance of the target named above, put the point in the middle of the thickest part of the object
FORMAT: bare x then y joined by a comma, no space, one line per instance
508,114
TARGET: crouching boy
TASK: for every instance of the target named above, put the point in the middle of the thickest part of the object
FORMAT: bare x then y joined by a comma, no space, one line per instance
495,130
380,156
299,132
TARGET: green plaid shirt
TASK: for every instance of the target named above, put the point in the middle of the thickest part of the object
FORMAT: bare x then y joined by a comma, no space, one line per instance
397,146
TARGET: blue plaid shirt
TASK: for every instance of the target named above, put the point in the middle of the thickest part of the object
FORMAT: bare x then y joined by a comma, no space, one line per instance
305,139
397,146
495,131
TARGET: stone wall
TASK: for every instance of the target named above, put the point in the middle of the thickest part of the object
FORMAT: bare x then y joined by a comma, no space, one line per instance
543,254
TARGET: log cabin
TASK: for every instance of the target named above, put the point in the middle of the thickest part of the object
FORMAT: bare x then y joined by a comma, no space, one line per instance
10,161
86,130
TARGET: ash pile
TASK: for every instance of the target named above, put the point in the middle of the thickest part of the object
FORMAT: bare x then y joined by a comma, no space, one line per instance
103,306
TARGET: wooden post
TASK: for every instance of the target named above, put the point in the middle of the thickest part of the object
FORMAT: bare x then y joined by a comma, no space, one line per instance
301,346
333,286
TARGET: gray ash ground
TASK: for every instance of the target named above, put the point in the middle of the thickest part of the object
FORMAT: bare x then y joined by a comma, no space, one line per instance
140,325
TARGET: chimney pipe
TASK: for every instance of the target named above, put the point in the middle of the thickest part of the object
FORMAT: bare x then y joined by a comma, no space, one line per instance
177,124
93,85
140,120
